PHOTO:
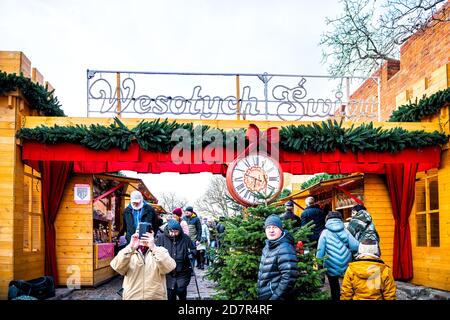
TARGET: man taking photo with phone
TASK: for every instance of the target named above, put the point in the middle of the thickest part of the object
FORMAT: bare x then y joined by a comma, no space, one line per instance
144,266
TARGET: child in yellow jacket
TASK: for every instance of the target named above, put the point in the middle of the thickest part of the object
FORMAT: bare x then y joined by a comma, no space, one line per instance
368,277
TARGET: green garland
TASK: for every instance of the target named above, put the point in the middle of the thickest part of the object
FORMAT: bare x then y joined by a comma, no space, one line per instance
414,112
153,135
37,96
329,136
318,178
156,135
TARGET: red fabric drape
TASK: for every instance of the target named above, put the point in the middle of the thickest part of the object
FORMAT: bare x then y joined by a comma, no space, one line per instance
90,161
54,175
401,186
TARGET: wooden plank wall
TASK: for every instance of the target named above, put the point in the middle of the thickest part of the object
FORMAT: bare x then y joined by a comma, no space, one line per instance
378,203
74,240
27,264
103,274
431,265
15,62
7,154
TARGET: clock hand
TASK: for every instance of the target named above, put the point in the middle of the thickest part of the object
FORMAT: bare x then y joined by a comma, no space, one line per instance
253,177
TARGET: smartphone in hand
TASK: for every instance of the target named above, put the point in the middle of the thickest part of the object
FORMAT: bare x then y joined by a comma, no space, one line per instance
144,227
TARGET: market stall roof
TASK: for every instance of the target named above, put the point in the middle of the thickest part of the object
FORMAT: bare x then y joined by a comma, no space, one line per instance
135,183
158,208
325,185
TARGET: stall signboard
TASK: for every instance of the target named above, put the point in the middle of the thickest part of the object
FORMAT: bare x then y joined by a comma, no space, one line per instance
82,193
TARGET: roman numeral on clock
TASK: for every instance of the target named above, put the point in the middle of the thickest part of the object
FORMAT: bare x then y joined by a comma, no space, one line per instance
240,187
238,179
274,179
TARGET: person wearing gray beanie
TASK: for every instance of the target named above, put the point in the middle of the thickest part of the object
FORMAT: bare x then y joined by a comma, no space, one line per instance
273,220
278,266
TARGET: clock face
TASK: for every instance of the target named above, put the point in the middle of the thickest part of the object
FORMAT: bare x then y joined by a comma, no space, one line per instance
254,174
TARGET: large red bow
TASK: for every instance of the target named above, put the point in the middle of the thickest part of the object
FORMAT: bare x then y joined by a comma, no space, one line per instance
262,142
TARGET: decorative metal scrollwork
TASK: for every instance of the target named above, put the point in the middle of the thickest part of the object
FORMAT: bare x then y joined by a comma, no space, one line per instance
283,101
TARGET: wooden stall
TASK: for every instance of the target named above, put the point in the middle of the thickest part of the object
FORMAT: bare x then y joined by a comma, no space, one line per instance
87,230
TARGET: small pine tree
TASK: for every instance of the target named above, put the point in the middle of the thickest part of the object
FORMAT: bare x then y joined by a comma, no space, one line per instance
236,263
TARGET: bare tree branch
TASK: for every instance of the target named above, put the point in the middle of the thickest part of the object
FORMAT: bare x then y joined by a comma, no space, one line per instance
170,201
216,199
368,33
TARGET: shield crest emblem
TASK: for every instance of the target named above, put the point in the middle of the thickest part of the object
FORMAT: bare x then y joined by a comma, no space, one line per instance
81,193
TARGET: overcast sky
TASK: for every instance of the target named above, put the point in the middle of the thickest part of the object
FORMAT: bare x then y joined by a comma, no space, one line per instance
65,38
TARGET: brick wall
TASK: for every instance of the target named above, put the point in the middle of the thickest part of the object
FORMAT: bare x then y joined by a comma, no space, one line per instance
414,74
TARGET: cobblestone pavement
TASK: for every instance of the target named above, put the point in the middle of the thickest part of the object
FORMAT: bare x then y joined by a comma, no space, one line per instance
206,289
108,290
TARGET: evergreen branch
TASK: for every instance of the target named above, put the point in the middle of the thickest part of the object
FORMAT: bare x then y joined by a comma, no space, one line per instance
427,106
37,96
156,135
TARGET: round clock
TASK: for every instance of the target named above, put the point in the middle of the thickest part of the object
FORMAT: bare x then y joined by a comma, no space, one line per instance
254,174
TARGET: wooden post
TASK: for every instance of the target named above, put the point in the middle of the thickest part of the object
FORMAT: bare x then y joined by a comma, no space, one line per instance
119,107
238,98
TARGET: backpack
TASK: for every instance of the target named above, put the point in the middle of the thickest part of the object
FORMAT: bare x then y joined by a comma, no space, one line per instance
40,288
220,228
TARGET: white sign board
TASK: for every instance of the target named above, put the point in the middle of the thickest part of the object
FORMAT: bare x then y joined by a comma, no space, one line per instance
82,193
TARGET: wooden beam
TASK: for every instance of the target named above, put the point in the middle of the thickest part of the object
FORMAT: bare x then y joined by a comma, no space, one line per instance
34,121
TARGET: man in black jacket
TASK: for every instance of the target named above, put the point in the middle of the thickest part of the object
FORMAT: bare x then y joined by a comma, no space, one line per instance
315,214
138,211
195,229
289,214
278,267
179,246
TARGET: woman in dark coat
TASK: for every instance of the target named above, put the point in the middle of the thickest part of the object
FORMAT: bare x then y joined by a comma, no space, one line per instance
179,246
278,267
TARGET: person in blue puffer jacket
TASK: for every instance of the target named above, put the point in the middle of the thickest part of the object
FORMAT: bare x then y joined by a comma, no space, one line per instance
278,270
336,245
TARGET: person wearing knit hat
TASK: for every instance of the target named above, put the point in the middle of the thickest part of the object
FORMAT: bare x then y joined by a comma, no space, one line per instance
368,277
335,244
177,215
278,270
334,215
179,246
274,220
290,215
195,229
173,224
178,212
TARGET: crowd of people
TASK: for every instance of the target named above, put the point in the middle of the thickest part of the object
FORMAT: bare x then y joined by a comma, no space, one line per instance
351,252
158,263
